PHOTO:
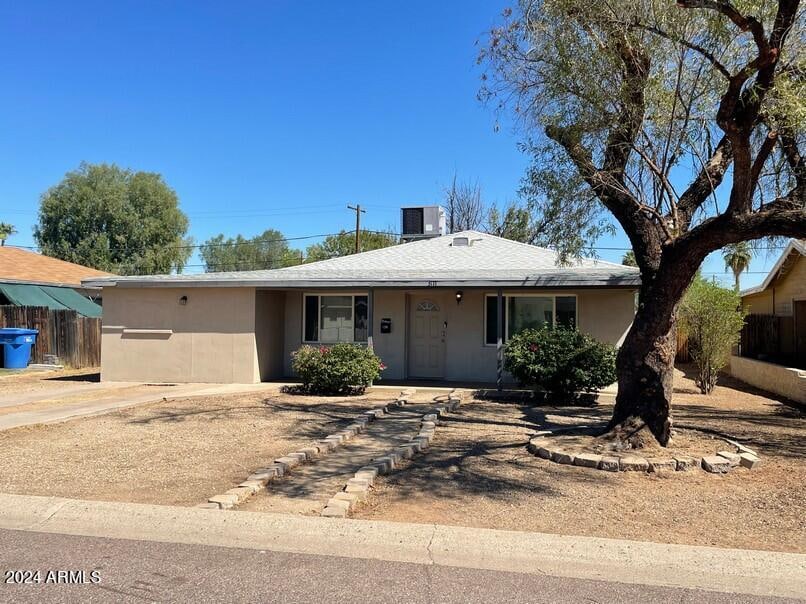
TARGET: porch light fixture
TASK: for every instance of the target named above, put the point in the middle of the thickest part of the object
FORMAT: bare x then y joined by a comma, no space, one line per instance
459,295
183,301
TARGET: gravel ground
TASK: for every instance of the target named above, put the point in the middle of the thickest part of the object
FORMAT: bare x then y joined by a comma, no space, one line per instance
478,473
175,453
32,381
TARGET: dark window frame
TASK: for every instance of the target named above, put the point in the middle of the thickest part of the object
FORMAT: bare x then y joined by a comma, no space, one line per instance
491,339
316,305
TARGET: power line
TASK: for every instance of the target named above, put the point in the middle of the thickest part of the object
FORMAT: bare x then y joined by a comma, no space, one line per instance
254,241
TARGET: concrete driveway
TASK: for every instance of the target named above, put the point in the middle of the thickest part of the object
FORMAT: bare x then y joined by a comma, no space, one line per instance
66,401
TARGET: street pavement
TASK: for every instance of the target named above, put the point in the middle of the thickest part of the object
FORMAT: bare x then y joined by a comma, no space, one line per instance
146,571
164,553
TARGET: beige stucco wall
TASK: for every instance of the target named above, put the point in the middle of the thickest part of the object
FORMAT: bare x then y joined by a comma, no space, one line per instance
605,314
210,339
243,335
783,290
391,347
758,304
784,381
790,286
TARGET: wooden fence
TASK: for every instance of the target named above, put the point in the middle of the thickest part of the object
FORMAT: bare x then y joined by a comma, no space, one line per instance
768,337
74,339
683,354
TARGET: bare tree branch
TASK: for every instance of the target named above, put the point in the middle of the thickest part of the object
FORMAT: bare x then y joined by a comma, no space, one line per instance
708,56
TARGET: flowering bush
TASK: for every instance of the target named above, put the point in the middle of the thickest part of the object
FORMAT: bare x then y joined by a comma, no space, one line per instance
560,361
337,369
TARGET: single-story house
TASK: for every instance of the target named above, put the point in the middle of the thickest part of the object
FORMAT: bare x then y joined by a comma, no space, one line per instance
31,279
433,309
775,329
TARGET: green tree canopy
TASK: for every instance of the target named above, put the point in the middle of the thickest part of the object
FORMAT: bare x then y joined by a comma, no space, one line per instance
265,251
6,231
343,244
628,259
114,219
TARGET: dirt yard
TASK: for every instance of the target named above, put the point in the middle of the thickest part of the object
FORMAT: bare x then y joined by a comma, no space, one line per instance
175,453
32,381
478,473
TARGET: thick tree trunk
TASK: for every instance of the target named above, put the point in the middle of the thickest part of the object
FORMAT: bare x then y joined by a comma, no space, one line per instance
645,361
645,370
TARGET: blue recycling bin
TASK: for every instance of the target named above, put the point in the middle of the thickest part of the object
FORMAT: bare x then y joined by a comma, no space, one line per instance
17,344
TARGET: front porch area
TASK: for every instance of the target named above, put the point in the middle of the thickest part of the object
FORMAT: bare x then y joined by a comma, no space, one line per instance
247,334
436,334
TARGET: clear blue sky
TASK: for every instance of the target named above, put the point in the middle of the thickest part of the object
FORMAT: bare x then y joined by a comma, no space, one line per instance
259,114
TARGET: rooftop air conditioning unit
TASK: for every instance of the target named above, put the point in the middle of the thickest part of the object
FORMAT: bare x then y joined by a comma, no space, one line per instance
422,222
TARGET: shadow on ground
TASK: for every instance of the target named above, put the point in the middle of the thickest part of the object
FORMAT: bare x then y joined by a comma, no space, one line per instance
78,377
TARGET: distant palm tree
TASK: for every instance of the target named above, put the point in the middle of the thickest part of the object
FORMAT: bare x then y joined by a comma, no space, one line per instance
737,257
629,259
6,231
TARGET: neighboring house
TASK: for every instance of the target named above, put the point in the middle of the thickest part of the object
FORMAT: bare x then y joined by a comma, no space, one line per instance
772,351
429,308
31,279
776,326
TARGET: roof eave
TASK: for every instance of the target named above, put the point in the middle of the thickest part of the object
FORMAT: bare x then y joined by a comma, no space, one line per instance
629,281
50,283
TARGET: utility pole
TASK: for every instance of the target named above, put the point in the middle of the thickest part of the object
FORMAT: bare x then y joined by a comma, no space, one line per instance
358,211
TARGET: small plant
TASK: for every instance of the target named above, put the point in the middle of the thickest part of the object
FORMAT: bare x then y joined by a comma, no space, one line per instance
337,369
712,317
560,361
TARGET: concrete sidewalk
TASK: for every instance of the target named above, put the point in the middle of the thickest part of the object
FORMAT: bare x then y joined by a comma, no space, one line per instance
56,391
724,570
63,411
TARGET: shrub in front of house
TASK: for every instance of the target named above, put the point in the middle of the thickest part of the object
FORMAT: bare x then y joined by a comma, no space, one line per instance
712,317
560,361
336,369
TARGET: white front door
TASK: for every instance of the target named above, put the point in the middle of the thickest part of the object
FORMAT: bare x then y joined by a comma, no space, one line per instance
426,338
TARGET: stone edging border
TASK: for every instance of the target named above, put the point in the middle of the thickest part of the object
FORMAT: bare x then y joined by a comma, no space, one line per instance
721,463
282,465
358,488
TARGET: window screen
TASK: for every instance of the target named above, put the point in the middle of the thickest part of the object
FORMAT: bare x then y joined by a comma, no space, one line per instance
336,319
530,313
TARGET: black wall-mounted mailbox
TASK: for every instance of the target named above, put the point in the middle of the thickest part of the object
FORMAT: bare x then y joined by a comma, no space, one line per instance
386,325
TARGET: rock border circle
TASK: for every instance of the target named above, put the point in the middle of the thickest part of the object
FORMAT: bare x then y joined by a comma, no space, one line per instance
720,463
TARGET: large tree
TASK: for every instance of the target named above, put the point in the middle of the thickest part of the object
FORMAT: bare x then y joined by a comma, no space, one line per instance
343,244
265,251
684,121
115,220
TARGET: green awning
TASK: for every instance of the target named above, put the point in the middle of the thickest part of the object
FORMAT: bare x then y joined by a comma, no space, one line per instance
55,298
29,295
72,299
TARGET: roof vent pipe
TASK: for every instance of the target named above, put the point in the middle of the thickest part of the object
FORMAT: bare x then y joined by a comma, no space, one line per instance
461,242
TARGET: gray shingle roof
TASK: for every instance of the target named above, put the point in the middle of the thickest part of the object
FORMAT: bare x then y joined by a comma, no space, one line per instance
487,261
